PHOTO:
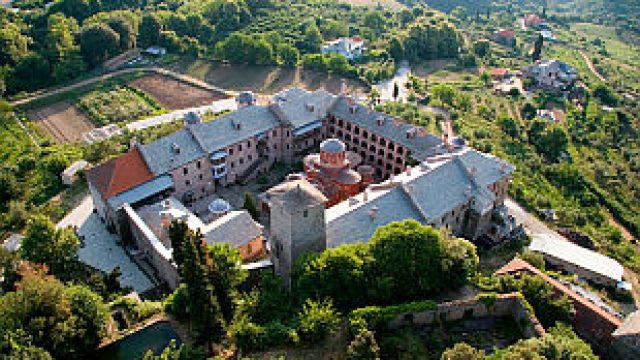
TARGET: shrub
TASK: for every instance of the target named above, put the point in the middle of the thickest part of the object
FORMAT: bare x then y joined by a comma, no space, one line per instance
177,302
377,317
318,319
363,347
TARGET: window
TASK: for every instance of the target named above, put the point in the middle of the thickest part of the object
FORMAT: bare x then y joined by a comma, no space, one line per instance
200,176
249,143
250,157
233,164
275,132
287,146
187,183
239,147
275,146
288,133
185,170
230,151
198,164
305,213
241,161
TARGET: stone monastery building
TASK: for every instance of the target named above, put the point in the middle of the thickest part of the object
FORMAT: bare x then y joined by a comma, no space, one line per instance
436,181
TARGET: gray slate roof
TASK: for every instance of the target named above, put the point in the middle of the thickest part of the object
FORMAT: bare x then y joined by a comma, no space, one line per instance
297,193
347,223
222,132
161,156
421,146
299,107
426,194
236,228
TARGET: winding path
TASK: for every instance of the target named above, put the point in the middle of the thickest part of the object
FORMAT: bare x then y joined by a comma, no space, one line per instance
591,67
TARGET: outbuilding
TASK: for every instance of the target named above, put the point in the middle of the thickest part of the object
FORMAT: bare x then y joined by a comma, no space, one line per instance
569,257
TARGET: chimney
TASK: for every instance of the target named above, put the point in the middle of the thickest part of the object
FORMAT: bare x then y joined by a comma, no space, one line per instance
344,90
133,142
175,148
472,171
365,195
380,120
353,108
408,170
373,213
309,107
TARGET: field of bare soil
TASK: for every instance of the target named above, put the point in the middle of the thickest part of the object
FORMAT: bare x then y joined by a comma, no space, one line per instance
264,79
62,121
174,94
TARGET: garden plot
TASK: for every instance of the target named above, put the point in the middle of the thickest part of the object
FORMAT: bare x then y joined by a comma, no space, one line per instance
117,105
175,94
62,121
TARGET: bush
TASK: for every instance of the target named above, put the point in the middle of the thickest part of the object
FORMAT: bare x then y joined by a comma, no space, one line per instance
363,347
318,319
177,302
534,258
377,317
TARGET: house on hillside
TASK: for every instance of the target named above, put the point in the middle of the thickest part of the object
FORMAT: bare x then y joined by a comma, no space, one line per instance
533,20
551,74
504,37
351,48
555,115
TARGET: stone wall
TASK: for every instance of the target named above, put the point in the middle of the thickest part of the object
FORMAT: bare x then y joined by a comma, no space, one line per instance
506,305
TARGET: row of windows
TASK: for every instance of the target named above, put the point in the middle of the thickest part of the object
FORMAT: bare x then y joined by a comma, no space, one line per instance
380,141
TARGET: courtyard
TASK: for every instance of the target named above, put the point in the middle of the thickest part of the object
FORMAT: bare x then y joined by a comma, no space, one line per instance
100,249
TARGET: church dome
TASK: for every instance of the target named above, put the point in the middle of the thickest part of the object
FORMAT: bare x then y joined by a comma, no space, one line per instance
219,206
333,146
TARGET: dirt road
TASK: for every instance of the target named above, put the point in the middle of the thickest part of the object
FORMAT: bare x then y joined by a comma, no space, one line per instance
591,67
103,77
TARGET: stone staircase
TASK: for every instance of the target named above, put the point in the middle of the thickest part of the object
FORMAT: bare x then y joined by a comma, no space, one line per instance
246,175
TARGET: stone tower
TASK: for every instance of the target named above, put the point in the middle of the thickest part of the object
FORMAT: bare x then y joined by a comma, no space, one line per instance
297,223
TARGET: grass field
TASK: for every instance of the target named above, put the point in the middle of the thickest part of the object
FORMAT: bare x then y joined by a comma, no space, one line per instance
116,105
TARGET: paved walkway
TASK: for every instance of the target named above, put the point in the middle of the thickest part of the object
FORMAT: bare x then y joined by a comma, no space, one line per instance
385,87
531,223
215,107
100,249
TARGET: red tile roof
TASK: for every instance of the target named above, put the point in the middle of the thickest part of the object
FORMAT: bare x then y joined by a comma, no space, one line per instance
120,174
505,33
590,321
499,72
533,20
